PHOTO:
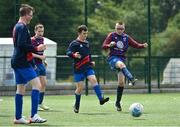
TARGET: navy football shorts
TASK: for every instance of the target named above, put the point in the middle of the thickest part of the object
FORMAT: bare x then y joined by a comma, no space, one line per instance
81,76
40,70
24,75
112,60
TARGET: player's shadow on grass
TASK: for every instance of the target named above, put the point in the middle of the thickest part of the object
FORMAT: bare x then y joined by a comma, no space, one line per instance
5,115
129,112
124,112
51,111
39,125
95,113
45,125
137,118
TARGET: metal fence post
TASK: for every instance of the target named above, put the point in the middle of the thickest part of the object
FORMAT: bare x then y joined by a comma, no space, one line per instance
86,87
16,10
149,47
86,23
145,70
158,72
104,70
98,74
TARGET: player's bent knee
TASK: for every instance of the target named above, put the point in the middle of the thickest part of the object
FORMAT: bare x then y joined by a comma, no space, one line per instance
20,92
35,83
20,89
93,82
92,79
78,90
120,65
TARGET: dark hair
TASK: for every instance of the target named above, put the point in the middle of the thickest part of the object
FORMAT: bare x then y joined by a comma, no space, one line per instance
25,9
82,28
39,25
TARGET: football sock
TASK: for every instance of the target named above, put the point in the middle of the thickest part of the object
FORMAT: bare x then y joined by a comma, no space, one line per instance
119,94
41,97
34,101
127,73
78,99
98,92
18,105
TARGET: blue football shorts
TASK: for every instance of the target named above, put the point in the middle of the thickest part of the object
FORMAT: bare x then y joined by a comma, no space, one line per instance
40,69
24,75
112,60
81,76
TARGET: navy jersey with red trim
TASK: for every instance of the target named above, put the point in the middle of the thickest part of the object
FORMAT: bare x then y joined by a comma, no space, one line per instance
122,43
36,42
82,64
22,47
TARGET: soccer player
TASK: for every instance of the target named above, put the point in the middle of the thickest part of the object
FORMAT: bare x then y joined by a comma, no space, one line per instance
80,52
21,64
39,59
116,45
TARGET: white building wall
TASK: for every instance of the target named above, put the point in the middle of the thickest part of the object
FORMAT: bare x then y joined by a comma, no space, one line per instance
6,51
171,73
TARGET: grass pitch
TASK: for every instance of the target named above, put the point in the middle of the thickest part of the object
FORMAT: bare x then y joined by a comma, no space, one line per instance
159,110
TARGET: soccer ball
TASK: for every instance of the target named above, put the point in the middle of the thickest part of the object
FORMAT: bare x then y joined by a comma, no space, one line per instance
136,109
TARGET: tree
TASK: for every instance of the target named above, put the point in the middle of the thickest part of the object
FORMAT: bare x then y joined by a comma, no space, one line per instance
7,18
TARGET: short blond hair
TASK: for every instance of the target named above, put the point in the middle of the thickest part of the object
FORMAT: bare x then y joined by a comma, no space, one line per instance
120,23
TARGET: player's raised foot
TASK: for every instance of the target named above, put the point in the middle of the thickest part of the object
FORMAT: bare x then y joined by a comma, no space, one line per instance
76,108
37,119
42,107
118,106
21,121
132,82
104,100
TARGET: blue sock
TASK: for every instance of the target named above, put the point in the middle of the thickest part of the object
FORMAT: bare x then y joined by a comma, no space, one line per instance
34,101
18,105
127,73
41,97
98,92
78,99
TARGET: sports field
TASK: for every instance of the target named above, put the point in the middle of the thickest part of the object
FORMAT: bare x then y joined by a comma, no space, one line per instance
159,110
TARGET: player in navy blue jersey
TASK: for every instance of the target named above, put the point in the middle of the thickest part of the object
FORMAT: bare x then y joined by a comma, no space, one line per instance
39,59
21,64
115,46
80,52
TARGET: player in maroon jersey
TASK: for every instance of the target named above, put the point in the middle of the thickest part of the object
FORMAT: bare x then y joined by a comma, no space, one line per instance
116,45
39,61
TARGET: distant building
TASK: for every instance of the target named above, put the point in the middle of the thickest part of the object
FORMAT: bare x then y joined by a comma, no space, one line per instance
171,74
6,72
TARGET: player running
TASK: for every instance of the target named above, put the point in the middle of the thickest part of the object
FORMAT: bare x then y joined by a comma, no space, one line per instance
80,52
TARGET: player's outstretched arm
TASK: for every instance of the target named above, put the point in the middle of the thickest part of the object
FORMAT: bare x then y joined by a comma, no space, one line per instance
136,44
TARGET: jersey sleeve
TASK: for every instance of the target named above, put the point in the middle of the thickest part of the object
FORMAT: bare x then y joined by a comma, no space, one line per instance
107,41
71,50
134,43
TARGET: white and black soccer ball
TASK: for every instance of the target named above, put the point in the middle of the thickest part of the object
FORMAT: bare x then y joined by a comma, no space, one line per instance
136,109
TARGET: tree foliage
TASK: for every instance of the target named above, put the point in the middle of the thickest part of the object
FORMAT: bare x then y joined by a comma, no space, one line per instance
61,18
